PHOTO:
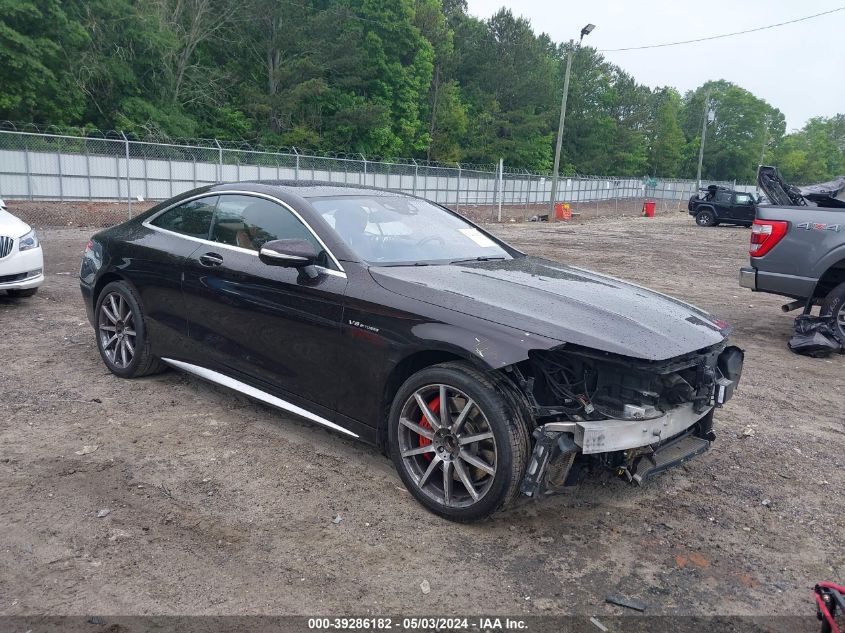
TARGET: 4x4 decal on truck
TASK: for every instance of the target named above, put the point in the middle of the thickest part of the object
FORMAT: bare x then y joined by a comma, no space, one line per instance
815,226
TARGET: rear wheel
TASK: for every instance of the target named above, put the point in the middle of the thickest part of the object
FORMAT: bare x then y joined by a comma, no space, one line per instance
458,441
834,304
28,292
705,217
122,333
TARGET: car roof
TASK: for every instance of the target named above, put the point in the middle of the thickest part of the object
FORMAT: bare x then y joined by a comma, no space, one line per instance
318,188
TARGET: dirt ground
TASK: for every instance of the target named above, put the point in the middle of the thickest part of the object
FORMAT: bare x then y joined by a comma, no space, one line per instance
215,504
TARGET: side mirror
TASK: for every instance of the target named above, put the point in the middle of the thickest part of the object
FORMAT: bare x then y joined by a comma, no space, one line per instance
288,253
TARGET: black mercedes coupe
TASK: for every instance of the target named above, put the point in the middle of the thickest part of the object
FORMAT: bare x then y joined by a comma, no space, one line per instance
485,374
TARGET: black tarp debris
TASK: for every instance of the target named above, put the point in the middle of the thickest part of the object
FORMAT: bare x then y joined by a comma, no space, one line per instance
628,603
815,336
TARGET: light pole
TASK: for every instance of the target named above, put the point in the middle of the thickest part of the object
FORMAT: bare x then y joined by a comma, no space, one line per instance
707,113
585,31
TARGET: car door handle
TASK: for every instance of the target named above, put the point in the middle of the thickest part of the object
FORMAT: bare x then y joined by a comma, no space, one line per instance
211,259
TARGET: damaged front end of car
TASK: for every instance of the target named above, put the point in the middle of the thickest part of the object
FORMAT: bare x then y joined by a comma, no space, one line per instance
635,417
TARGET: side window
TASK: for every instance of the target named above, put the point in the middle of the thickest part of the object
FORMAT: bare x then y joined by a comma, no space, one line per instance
192,218
743,198
723,196
249,222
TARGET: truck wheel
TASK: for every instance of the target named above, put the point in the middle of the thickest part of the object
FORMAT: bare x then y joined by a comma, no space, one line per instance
459,442
834,304
705,217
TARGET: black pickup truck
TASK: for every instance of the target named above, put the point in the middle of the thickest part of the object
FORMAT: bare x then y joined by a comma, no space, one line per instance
719,205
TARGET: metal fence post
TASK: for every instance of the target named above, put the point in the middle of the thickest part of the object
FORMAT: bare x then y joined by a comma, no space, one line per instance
146,177
458,193
365,168
117,172
296,167
61,177
616,197
219,161
501,188
415,176
28,169
128,188
527,191
88,169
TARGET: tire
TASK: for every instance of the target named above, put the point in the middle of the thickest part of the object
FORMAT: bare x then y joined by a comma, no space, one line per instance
481,406
18,293
834,303
121,333
705,217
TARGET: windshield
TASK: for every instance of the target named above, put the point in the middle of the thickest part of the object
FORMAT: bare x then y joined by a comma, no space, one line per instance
402,231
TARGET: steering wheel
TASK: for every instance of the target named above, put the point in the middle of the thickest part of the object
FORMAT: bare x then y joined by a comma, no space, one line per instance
431,238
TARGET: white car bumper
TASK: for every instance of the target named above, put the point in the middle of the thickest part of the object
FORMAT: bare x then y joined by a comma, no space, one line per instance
21,270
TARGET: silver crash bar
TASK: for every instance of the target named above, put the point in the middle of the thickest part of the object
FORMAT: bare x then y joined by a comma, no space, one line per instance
604,436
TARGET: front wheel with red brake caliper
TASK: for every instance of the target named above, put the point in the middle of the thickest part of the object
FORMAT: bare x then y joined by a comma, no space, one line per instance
458,442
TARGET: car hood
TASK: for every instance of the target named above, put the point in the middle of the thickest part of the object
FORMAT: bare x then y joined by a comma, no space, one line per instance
561,302
12,226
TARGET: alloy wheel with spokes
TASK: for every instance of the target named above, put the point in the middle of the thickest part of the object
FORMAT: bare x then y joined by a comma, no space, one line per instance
459,440
447,445
116,329
121,332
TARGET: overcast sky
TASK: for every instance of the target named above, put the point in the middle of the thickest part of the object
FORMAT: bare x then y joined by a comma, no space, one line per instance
780,65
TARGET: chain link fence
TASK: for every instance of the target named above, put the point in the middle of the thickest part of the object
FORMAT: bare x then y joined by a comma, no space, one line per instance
101,179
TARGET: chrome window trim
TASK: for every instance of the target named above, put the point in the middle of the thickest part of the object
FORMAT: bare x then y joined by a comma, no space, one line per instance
253,392
147,223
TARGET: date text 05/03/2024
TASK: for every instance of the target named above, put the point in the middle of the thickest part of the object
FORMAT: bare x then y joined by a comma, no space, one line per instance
418,623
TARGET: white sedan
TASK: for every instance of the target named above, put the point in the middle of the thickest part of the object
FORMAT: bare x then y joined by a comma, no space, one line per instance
21,259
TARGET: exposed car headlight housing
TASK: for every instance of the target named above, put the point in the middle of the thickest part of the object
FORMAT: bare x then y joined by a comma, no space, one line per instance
28,241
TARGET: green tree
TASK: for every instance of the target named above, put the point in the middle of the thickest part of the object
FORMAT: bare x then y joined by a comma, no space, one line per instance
667,139
507,74
38,42
742,125
814,153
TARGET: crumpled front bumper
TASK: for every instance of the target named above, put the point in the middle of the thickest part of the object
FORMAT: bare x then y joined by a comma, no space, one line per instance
605,436
636,448
649,446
